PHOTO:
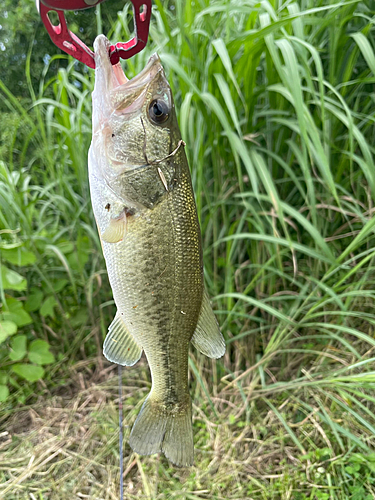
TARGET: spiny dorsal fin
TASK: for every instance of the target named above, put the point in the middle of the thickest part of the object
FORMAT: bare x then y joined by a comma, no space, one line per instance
207,337
120,346
116,229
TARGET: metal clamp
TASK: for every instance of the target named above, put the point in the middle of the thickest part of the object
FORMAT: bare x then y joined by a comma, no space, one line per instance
67,41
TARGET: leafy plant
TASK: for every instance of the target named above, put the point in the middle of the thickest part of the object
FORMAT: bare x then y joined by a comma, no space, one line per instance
14,316
275,103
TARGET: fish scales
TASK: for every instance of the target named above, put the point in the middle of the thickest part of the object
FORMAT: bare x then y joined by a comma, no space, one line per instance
160,257
145,211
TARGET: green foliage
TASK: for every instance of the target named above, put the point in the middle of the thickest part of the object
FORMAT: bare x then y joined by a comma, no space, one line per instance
39,353
14,314
11,280
14,311
18,256
47,307
4,392
7,328
31,373
22,30
275,103
18,347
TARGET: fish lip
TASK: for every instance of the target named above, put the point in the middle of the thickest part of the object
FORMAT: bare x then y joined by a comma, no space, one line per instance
148,73
114,76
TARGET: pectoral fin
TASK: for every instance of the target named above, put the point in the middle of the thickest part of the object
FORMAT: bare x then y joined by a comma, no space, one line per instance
116,229
120,346
207,337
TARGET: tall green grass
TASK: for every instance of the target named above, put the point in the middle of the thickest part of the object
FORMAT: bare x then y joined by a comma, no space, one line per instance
276,106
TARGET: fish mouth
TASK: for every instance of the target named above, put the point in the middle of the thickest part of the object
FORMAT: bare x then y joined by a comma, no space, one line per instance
110,77
113,91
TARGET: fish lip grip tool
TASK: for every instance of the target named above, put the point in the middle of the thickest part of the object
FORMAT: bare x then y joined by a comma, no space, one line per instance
67,41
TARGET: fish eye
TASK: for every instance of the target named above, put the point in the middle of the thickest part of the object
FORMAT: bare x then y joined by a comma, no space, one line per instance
158,111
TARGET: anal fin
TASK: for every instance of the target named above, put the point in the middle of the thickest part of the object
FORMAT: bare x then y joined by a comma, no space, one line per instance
207,337
119,345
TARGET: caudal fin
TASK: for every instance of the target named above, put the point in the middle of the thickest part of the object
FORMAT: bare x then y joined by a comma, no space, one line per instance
157,429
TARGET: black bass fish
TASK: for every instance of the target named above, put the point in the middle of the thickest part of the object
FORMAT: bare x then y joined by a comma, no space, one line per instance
146,215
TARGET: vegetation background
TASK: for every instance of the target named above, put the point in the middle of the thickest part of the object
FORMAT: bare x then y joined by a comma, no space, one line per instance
276,103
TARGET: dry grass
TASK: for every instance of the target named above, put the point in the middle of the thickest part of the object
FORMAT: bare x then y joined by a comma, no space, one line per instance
65,445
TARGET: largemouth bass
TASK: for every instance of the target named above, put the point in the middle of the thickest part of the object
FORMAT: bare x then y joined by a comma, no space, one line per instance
145,211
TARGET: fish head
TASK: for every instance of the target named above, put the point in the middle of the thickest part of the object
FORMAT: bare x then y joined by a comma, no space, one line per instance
134,121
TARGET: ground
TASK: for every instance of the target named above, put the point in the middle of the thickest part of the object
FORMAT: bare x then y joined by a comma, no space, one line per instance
65,445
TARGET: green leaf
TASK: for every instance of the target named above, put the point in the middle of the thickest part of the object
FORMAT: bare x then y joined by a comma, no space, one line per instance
232,419
62,258
78,259
31,373
4,393
16,313
358,240
225,59
47,307
58,285
366,49
12,280
18,346
225,92
39,353
3,377
18,256
277,241
79,318
7,246
21,318
13,305
34,300
7,328
65,246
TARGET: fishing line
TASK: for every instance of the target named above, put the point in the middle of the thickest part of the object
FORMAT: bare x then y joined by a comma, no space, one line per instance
121,433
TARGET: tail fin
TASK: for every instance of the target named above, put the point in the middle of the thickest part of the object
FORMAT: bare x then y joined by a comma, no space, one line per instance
157,429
